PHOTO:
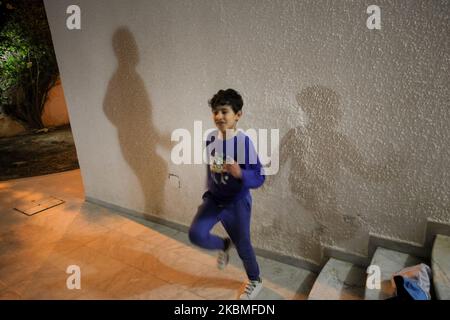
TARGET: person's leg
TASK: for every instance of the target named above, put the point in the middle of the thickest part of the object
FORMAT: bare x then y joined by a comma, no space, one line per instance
236,221
199,233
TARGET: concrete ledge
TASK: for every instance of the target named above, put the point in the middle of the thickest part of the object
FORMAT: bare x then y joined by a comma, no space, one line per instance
440,266
376,241
170,224
389,262
341,254
433,229
339,280
293,261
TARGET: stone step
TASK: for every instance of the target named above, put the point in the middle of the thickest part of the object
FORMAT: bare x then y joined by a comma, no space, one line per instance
339,280
389,262
440,266
280,281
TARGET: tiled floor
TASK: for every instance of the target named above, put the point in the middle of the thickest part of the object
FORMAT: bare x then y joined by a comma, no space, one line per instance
120,257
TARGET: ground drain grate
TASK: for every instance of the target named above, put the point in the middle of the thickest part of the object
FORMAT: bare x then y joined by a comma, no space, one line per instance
35,206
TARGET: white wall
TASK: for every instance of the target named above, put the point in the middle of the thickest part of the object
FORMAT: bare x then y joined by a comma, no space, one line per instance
364,114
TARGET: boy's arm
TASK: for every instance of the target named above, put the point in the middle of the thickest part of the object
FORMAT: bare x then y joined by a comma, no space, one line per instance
252,175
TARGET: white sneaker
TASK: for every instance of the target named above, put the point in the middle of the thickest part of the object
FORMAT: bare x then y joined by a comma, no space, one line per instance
251,290
224,257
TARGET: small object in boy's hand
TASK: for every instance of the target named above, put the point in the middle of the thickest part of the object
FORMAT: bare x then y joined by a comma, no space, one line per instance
229,160
217,165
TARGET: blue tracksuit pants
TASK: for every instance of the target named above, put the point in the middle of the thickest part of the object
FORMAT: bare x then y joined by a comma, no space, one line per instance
235,218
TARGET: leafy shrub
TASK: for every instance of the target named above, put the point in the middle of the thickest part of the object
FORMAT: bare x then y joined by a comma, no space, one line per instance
28,67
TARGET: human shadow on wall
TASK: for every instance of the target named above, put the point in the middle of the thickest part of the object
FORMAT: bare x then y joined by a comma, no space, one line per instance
127,106
317,152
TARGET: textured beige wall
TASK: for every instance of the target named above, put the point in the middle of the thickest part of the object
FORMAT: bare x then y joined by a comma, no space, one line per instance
363,115
55,109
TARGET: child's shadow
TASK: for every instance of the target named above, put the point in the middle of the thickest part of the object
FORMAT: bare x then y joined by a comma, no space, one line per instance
128,107
317,153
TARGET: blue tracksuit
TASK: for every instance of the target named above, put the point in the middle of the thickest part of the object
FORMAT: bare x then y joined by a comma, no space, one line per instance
228,199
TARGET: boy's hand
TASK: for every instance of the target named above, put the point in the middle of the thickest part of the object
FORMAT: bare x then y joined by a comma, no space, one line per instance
234,169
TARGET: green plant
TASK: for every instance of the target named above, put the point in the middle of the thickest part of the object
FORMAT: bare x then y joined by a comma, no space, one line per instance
28,67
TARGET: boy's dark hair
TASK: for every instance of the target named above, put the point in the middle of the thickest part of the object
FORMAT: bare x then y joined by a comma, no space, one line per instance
227,97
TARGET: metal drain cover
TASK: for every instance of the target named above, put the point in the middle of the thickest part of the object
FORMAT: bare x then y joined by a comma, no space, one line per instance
34,207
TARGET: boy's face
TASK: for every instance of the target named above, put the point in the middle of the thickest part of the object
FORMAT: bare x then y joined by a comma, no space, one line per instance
225,118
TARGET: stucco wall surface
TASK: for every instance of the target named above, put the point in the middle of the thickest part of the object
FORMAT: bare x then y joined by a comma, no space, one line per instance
363,114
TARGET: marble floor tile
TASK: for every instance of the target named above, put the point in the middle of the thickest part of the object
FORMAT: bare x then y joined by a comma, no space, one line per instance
120,256
167,292
9,294
131,282
20,264
45,283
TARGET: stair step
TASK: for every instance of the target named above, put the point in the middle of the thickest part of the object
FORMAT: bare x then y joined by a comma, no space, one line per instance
339,280
440,266
389,262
